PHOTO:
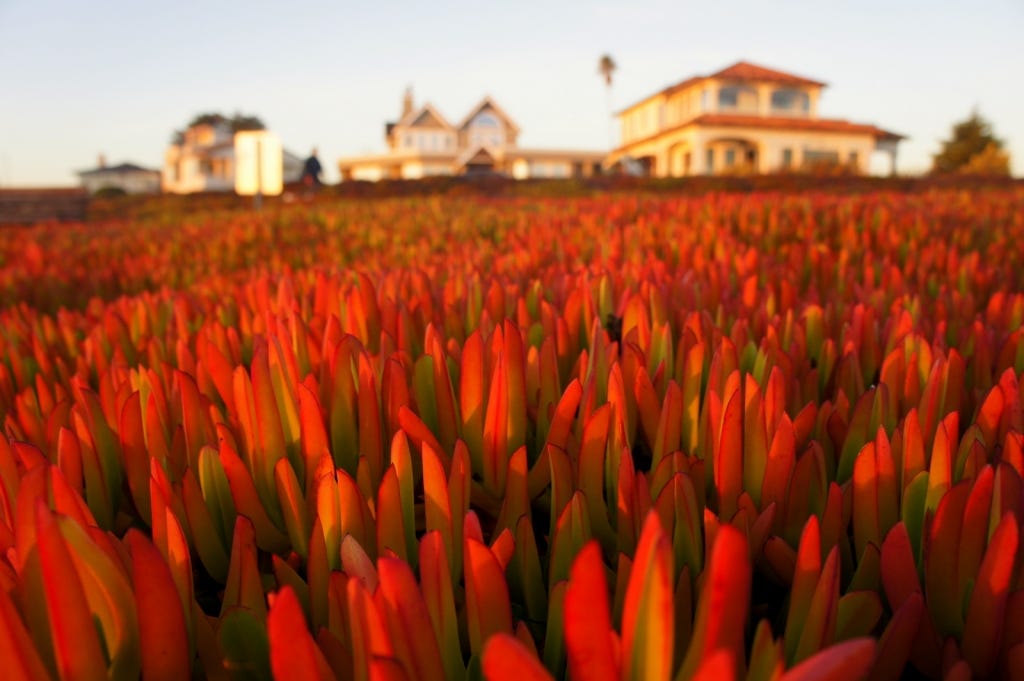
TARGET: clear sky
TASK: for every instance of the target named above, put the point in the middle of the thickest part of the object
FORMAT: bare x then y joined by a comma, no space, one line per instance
84,77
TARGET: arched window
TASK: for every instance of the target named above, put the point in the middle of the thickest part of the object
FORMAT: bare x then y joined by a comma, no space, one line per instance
484,119
793,101
486,129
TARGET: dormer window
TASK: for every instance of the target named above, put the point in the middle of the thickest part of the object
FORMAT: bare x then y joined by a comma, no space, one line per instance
486,129
737,98
485,119
791,101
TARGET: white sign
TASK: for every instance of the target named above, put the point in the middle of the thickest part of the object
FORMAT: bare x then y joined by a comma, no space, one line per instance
259,163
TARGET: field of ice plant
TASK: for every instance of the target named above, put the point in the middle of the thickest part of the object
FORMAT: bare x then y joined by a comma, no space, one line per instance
627,437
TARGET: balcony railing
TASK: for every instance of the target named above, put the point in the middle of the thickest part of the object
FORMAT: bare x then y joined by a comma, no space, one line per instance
792,111
742,108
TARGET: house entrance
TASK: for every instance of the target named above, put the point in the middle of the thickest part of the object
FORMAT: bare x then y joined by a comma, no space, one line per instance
732,155
480,163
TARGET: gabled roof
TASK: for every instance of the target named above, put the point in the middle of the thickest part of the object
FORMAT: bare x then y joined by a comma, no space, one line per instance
740,71
485,103
120,168
744,70
426,116
480,153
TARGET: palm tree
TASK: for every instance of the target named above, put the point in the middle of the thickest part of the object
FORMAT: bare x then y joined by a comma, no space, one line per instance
606,67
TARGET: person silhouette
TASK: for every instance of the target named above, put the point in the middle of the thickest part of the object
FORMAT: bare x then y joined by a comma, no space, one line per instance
311,171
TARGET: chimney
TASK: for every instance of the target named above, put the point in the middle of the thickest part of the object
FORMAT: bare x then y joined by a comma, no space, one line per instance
101,161
407,102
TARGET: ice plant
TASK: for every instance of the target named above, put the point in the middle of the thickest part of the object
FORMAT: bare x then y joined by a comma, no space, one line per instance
769,436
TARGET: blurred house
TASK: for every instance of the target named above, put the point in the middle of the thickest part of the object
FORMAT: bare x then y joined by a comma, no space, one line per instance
744,118
423,143
202,159
126,177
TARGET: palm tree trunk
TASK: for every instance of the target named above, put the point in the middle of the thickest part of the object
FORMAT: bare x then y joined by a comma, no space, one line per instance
611,117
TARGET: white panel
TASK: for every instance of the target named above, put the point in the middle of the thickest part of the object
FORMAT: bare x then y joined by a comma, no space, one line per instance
259,163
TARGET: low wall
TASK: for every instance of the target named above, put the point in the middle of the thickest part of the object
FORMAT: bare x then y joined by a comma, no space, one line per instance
28,206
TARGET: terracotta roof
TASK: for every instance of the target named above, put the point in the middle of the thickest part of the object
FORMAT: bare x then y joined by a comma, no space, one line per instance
741,70
681,85
774,123
744,70
789,123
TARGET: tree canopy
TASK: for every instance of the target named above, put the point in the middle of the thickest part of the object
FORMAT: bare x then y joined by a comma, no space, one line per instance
238,122
972,148
606,67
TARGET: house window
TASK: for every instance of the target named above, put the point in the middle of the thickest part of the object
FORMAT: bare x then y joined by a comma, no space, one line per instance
408,141
485,119
791,100
704,100
787,158
738,97
710,162
486,129
730,157
820,158
854,160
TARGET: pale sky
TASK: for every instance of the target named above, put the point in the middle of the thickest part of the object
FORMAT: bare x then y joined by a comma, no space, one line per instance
84,77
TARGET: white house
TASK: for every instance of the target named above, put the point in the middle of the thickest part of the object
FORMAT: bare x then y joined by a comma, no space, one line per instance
128,177
744,118
424,143
202,159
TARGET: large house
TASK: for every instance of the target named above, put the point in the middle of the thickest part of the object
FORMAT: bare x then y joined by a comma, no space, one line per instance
202,159
744,118
423,143
126,177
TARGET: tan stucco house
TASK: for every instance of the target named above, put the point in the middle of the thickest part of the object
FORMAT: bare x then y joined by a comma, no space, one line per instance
424,143
744,118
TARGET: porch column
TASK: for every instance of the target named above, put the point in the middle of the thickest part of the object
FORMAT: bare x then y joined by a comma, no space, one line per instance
813,103
662,167
764,99
697,156
761,158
